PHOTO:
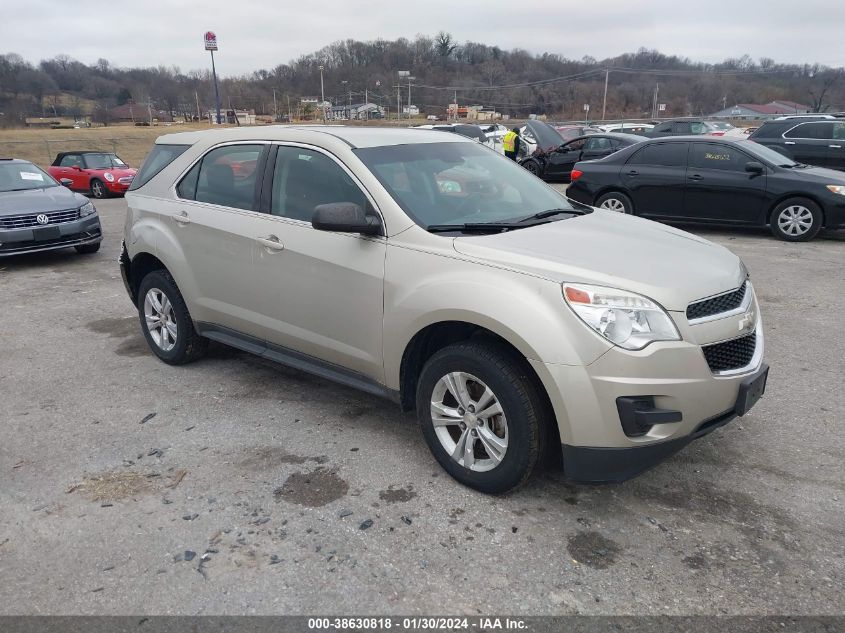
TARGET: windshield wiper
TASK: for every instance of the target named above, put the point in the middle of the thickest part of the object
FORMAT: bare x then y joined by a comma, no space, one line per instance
550,212
480,227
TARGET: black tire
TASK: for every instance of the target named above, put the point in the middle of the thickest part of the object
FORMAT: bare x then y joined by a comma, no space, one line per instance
789,219
98,189
508,376
87,249
189,345
533,167
616,201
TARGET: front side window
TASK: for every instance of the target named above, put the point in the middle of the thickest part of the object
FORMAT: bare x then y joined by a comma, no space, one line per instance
456,183
724,157
682,127
839,131
225,176
597,144
661,154
304,179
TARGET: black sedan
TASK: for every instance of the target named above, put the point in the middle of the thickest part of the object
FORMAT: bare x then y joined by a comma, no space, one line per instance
557,163
721,181
38,214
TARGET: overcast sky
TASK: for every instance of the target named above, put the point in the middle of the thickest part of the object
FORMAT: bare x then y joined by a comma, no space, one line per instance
255,34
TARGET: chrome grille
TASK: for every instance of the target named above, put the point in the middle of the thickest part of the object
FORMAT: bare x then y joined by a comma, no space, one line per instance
28,220
734,354
718,304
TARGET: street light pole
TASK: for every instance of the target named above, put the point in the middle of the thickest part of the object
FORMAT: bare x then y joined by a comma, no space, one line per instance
604,103
322,95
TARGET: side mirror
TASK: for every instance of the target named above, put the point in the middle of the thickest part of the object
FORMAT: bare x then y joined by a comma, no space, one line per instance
345,217
753,167
77,168
66,182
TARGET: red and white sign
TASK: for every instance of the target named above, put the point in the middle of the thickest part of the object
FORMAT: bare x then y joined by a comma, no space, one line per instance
210,41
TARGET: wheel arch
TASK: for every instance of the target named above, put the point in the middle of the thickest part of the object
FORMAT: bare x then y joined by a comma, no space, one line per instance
615,189
436,336
139,267
767,217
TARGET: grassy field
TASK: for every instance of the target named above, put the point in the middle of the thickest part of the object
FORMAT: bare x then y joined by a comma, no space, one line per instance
40,145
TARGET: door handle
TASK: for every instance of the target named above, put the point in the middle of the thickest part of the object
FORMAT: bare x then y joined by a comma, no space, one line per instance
633,172
271,243
696,177
835,146
182,217
789,142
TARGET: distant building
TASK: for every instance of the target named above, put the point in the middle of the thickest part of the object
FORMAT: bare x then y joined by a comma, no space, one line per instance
473,112
356,112
232,117
139,113
762,111
410,110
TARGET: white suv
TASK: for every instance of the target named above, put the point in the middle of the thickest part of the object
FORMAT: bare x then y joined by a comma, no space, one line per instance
427,269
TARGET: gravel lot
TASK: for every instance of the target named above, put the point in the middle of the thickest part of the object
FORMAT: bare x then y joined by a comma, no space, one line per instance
237,486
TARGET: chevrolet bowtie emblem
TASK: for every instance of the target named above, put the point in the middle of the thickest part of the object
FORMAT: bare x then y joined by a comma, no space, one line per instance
747,321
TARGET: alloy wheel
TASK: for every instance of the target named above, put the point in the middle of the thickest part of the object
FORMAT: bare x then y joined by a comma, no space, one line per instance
160,319
795,220
613,204
98,189
469,421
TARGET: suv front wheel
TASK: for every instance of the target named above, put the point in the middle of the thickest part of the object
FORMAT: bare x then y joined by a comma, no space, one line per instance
166,322
481,415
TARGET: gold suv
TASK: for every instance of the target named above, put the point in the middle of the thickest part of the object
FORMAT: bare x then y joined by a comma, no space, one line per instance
425,268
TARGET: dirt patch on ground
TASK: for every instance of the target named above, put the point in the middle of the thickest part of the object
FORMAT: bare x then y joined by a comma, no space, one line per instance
314,489
397,495
593,549
266,457
113,486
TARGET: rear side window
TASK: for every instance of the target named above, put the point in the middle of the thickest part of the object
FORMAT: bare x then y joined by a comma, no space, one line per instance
839,131
663,154
225,176
814,130
682,127
159,158
724,157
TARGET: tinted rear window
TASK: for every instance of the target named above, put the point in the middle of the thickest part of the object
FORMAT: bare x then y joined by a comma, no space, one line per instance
666,154
816,130
159,158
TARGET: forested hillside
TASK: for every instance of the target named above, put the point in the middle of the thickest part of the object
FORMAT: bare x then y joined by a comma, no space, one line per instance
514,82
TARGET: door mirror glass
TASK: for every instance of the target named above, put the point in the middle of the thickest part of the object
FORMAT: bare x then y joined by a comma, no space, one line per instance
345,217
66,182
753,167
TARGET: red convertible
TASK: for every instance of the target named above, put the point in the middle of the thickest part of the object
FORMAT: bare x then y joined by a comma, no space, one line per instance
99,173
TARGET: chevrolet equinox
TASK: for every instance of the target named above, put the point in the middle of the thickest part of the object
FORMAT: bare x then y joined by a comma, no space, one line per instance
425,268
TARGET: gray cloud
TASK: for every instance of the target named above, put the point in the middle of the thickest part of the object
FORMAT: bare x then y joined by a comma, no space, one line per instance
257,34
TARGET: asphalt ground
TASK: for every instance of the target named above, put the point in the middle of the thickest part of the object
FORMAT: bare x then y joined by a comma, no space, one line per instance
236,486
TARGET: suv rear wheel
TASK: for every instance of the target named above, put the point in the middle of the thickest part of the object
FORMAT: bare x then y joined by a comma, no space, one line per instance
166,322
796,220
481,415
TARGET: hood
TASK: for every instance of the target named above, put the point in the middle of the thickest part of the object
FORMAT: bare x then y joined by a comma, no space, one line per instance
39,200
820,175
119,172
548,138
610,249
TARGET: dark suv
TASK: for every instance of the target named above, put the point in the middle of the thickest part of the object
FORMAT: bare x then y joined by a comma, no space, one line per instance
683,128
819,142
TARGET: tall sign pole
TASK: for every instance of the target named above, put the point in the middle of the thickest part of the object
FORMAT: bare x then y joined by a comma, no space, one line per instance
211,46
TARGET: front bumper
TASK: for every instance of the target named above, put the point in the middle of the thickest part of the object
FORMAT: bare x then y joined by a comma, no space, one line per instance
86,230
117,187
589,464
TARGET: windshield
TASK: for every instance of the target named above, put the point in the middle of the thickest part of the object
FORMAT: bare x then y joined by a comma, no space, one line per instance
721,125
457,183
103,161
767,154
23,176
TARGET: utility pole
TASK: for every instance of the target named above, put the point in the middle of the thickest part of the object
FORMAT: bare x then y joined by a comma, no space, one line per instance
197,97
275,109
322,95
604,103
290,117
409,95
211,46
654,105
402,73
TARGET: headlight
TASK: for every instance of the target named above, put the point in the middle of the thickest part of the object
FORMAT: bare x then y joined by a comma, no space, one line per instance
108,176
840,189
624,318
86,209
